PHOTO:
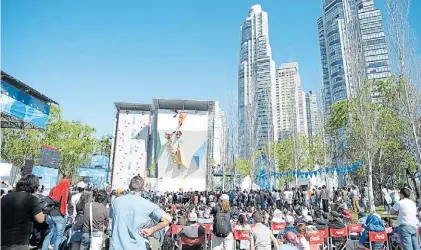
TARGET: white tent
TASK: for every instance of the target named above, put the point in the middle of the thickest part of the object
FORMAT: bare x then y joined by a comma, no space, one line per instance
246,184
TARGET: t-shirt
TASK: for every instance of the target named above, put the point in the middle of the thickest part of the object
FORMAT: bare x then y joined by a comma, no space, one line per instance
261,236
99,215
129,214
17,212
407,212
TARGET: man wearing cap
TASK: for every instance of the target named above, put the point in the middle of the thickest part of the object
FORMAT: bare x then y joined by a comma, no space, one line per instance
289,228
192,230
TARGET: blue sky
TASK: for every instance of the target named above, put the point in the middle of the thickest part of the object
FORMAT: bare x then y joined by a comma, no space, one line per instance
87,55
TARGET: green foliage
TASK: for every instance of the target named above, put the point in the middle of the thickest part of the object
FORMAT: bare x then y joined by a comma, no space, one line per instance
374,122
103,145
243,166
74,140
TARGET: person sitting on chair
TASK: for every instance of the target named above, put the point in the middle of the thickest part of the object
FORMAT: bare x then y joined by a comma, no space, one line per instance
193,230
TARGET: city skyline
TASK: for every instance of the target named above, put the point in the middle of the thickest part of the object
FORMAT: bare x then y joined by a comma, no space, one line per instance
89,62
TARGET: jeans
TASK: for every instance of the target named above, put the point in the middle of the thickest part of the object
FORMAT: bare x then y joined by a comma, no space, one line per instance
408,235
57,224
91,242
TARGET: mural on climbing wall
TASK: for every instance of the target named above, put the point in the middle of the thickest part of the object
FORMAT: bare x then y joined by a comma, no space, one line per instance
181,149
130,157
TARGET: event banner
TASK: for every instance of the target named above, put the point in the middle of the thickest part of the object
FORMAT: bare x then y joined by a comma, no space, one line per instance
23,106
48,177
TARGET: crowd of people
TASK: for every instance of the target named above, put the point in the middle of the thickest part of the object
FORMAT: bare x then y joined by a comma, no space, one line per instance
80,217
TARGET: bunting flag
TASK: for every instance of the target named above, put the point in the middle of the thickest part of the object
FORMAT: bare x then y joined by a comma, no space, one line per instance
340,171
181,117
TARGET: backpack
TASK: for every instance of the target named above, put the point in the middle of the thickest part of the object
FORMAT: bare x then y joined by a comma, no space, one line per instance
222,224
47,204
168,243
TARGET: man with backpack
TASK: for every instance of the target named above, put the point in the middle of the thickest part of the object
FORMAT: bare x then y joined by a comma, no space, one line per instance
222,225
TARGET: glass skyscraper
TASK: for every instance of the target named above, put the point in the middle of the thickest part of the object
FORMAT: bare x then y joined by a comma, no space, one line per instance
334,37
256,78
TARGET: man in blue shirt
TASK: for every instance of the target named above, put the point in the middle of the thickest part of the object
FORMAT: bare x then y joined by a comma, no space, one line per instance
131,216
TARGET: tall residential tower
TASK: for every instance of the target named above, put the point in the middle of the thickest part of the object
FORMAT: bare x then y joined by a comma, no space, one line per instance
313,116
339,42
256,79
289,102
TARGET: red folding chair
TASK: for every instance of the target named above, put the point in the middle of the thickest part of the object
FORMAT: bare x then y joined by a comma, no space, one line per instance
176,229
338,233
378,237
208,231
325,235
241,234
274,226
355,228
315,239
192,241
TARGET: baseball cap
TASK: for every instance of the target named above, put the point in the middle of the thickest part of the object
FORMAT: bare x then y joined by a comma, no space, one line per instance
361,214
224,197
289,219
307,218
81,184
193,217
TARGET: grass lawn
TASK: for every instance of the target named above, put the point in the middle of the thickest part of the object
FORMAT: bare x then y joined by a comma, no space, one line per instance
379,211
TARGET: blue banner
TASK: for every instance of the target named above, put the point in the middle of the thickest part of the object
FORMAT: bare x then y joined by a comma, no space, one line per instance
49,177
96,177
23,106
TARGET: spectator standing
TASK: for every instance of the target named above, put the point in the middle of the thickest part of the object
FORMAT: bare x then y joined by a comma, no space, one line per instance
364,196
387,200
222,225
57,218
131,213
354,198
407,220
18,210
325,199
95,219
76,197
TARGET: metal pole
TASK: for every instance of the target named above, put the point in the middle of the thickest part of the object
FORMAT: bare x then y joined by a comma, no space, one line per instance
223,178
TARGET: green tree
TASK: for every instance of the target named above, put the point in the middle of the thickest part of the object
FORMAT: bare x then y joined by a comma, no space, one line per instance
103,145
242,166
74,140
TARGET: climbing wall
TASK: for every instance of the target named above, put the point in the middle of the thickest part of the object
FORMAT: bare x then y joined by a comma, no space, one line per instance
130,156
181,150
